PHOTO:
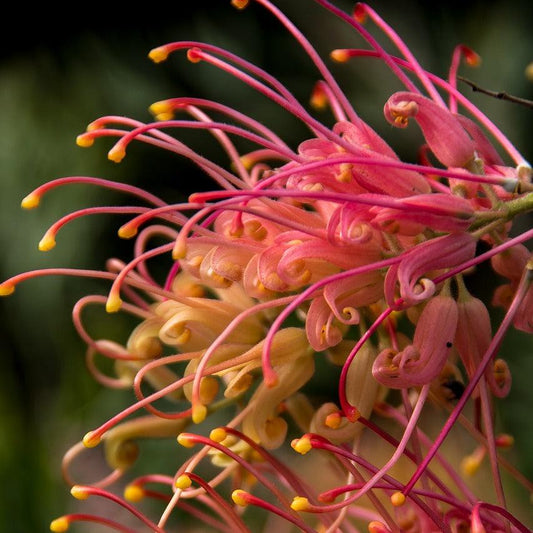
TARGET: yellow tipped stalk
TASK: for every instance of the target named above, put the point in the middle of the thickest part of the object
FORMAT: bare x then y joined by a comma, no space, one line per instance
91,440
113,303
47,242
6,289
239,497
339,55
159,54
299,503
31,201
134,493
59,525
79,493
302,445
218,434
183,482
185,440
397,499
116,154
199,412
127,231
84,140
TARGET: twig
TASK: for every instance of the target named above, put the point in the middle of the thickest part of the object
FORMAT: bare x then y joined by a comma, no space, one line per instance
496,94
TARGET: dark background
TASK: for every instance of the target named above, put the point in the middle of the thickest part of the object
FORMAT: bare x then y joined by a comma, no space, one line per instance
61,69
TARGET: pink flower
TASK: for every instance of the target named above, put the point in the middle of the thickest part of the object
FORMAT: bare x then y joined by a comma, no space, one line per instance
294,289
443,132
422,361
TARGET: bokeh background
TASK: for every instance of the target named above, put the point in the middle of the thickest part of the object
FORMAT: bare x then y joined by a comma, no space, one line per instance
59,70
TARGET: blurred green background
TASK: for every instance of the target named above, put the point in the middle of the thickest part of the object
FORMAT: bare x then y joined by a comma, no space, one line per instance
57,76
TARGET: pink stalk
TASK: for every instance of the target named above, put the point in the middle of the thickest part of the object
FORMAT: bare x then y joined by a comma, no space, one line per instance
450,500
315,58
246,65
48,240
112,383
193,222
494,345
129,229
426,441
410,428
370,199
114,301
120,146
204,518
272,487
382,512
140,245
100,127
250,499
491,179
97,299
115,266
8,286
277,465
504,513
487,415
221,176
32,200
402,47
416,442
152,478
82,517
84,491
172,273
323,444
225,511
295,109
380,51
261,129
150,365
224,142
71,455
491,127
471,58
323,90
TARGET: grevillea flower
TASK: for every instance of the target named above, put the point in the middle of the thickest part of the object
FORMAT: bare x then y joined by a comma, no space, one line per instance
331,261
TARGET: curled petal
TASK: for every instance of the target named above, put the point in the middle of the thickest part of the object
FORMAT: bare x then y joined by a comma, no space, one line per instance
144,339
345,296
194,327
421,362
228,262
321,331
263,423
443,132
442,252
511,262
328,423
474,332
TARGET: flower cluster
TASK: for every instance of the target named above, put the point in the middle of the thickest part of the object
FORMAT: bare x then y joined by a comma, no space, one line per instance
335,254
